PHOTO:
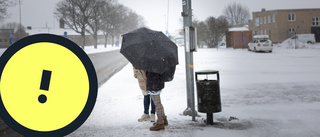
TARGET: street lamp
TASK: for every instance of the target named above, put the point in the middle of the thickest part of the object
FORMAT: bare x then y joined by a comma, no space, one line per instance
167,27
20,18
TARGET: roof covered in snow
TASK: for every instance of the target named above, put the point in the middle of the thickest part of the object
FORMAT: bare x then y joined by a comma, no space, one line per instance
56,31
243,28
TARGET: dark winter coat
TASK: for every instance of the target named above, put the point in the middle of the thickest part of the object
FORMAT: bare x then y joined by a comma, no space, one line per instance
154,81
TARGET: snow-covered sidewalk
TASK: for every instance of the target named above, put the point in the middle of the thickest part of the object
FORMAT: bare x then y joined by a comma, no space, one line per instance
272,94
100,48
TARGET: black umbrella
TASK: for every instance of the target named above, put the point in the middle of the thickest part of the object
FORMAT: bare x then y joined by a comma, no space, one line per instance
150,50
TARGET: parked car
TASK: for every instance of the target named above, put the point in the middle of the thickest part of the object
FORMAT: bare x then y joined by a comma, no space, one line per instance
260,43
304,38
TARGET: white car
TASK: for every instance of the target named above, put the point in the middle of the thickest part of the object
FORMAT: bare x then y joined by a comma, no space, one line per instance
260,43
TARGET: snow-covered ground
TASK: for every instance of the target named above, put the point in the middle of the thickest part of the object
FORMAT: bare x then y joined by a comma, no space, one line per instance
293,44
272,94
88,49
100,48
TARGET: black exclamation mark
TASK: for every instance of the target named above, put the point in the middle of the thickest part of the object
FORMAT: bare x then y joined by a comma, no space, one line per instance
45,81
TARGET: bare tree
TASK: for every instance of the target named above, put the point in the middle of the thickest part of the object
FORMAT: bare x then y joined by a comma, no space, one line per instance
222,27
211,31
112,19
75,13
133,21
4,4
236,13
92,16
97,10
119,19
130,21
202,29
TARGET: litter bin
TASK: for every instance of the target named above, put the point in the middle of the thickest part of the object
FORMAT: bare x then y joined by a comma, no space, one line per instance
208,93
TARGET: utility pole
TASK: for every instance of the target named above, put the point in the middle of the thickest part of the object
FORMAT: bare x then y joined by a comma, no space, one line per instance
189,48
167,26
20,19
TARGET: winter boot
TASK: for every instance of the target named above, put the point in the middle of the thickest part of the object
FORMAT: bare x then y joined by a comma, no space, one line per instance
152,118
157,126
165,121
144,117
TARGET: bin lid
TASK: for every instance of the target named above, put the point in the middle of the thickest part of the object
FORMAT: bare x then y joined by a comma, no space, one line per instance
207,72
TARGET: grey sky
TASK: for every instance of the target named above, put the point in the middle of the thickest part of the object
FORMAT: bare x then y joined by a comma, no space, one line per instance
39,13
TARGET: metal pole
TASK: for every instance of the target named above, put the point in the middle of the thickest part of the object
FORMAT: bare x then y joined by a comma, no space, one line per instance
187,22
167,25
295,40
20,18
242,43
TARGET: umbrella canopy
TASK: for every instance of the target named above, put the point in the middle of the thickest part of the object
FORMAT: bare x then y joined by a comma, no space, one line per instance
149,50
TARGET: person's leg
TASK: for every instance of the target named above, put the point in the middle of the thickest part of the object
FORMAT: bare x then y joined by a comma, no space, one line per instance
153,107
146,104
153,111
159,125
159,108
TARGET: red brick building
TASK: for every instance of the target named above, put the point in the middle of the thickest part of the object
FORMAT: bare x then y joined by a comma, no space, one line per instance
239,37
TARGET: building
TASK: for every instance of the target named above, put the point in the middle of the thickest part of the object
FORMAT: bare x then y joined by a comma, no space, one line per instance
239,36
9,36
5,37
68,33
283,24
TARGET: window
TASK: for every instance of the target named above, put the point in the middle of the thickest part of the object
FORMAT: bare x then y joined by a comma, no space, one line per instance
261,20
265,19
316,21
257,21
261,33
265,32
292,30
269,19
291,17
263,40
273,18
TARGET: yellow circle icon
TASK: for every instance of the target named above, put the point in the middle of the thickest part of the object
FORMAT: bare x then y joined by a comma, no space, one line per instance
46,87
